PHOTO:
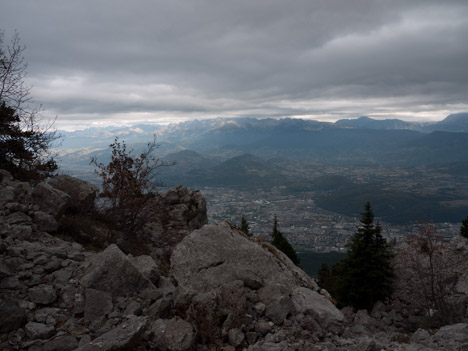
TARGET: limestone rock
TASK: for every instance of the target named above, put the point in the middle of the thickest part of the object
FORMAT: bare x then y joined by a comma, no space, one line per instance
61,343
123,337
236,337
38,330
277,301
97,305
450,337
147,267
42,314
133,307
111,271
51,200
263,328
42,294
45,222
272,346
176,214
217,254
4,271
82,194
174,334
12,316
10,283
308,301
18,218
421,336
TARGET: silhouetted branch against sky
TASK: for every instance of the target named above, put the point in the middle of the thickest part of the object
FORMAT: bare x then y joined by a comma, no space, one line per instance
104,61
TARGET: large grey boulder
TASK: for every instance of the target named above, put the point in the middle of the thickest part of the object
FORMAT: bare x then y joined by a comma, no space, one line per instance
111,271
51,200
98,304
147,267
307,301
277,302
42,294
45,222
123,337
82,194
452,337
218,254
38,330
175,334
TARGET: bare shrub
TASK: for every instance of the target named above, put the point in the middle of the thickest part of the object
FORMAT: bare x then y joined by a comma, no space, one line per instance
426,275
128,183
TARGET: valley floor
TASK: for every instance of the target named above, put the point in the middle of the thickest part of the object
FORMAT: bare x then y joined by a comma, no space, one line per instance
303,223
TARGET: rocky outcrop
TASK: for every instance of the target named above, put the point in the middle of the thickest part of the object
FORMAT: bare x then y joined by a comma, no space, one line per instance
218,253
82,194
112,272
307,301
172,216
51,200
222,290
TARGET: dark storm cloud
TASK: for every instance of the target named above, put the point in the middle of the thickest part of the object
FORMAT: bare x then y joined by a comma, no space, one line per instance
323,59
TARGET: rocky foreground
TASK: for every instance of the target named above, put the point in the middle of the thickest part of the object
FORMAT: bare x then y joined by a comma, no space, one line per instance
193,286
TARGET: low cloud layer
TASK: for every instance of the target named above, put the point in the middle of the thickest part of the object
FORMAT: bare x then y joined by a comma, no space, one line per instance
132,61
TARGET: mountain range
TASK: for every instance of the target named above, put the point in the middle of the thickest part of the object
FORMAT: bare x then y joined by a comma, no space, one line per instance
301,155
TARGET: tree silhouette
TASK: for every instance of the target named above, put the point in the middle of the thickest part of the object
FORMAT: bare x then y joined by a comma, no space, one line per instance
24,141
245,227
128,182
365,275
281,243
464,228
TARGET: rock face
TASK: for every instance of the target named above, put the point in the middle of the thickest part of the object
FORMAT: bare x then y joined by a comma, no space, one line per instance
51,200
82,194
112,272
123,337
221,291
308,301
218,254
177,213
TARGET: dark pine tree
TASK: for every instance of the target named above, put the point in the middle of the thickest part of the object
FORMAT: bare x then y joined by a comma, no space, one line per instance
464,228
282,244
245,227
324,277
24,141
22,150
365,275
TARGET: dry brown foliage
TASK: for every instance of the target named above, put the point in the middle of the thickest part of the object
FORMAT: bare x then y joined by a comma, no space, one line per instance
128,182
427,275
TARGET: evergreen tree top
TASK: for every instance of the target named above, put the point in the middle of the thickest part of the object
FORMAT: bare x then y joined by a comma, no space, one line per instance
366,274
281,243
245,226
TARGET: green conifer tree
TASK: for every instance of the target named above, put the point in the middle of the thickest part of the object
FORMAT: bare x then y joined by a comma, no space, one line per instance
464,228
324,277
245,227
366,275
282,244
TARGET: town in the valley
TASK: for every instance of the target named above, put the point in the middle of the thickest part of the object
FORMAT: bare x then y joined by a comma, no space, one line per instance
303,223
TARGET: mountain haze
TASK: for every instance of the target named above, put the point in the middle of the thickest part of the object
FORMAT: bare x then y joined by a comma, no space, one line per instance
406,173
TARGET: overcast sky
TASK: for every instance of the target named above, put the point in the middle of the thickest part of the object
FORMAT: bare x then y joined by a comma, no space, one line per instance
102,61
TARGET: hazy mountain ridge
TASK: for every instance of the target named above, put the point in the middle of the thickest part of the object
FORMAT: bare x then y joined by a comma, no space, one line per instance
192,129
457,122
291,154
